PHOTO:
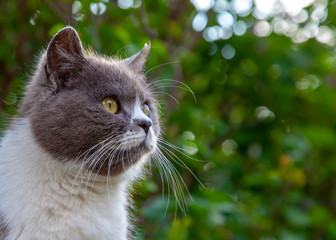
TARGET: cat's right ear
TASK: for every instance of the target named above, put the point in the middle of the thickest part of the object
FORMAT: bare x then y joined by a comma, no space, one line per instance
137,61
64,55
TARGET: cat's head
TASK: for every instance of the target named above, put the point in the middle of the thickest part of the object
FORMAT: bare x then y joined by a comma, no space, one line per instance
96,110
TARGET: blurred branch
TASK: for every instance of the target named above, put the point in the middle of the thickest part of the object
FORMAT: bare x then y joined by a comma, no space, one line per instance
145,25
178,14
187,41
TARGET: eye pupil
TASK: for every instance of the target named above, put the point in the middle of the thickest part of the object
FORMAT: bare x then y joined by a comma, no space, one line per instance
110,105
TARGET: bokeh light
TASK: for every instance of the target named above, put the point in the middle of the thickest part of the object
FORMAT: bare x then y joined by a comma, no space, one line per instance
202,5
228,51
200,21
225,19
262,29
240,28
229,146
299,20
125,4
97,8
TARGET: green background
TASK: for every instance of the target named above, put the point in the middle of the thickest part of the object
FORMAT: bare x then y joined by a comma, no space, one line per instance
262,131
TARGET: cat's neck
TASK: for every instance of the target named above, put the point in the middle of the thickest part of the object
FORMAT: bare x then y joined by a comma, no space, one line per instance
40,194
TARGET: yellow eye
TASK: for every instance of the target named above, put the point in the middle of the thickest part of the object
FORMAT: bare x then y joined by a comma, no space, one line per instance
110,104
145,109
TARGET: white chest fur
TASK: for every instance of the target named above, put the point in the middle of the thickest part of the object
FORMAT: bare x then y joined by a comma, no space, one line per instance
41,198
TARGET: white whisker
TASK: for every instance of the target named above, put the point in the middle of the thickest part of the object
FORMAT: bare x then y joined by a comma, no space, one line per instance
170,83
164,93
179,149
180,162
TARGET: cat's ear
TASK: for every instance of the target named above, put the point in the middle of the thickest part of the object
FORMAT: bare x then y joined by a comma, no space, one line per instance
64,55
137,61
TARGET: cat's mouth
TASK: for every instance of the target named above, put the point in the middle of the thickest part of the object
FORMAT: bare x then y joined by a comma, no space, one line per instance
138,140
132,142
117,158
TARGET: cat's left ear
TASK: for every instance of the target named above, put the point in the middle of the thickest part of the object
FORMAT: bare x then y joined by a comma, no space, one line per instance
64,56
137,61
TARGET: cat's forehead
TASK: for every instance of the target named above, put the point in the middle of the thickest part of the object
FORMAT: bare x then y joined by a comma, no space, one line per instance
115,78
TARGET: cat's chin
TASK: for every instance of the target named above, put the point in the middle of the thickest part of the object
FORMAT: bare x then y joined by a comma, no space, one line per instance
122,162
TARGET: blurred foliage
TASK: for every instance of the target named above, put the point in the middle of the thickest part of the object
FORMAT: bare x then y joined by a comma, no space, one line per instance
263,124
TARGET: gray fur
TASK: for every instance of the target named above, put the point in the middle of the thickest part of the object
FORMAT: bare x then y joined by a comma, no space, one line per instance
64,101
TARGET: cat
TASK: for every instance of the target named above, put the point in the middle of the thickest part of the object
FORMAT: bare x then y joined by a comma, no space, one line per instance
85,129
